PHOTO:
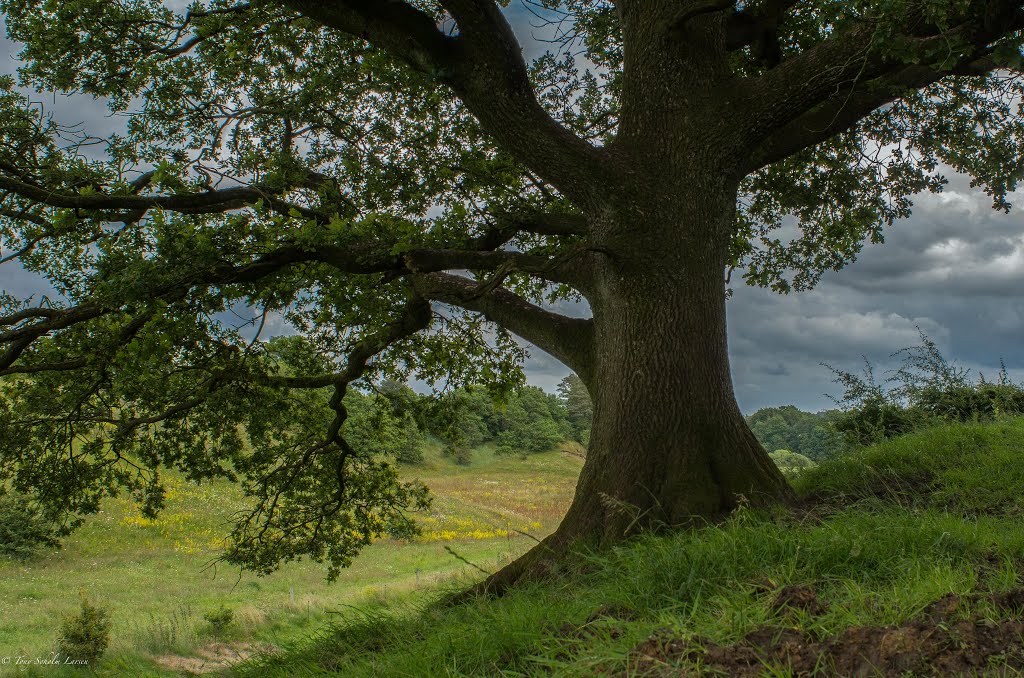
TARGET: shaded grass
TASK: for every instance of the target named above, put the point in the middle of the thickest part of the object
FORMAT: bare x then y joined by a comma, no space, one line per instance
902,524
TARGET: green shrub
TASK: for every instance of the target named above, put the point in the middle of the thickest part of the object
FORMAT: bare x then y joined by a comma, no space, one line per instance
23,530
460,451
972,402
927,389
875,419
791,462
220,619
85,636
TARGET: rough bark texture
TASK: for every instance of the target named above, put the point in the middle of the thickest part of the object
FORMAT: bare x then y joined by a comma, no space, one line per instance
669,446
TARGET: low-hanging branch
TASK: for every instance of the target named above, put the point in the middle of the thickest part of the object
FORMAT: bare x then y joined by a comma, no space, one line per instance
259,529
206,202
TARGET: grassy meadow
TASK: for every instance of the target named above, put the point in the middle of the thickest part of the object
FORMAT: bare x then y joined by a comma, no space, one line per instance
156,579
905,558
902,559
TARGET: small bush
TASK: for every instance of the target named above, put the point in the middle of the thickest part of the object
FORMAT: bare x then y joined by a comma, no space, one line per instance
926,390
791,462
220,619
876,419
85,636
23,530
461,452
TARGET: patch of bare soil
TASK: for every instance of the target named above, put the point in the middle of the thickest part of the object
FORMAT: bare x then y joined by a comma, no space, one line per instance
210,658
939,642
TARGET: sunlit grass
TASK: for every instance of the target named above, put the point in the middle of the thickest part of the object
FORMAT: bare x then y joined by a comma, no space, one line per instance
157,578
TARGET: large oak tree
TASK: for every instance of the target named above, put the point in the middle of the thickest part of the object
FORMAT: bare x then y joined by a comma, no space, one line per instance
396,180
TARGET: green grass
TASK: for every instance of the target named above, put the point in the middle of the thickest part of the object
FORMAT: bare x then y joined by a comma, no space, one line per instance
879,536
152,575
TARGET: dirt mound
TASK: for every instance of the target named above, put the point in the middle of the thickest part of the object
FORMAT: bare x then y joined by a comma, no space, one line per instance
931,645
798,598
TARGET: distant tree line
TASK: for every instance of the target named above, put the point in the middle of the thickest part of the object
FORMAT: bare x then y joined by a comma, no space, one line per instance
787,428
393,420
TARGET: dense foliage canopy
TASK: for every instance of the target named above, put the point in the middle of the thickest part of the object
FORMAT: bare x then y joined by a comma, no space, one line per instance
398,185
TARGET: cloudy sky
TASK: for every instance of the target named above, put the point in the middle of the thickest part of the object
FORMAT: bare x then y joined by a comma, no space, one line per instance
955,269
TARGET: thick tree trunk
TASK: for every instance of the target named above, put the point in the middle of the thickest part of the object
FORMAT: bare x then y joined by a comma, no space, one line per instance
668,442
669,446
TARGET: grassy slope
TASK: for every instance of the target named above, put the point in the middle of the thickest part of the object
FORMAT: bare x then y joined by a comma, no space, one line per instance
880,536
151,577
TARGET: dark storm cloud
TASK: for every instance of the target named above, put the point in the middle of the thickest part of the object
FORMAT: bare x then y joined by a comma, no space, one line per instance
955,269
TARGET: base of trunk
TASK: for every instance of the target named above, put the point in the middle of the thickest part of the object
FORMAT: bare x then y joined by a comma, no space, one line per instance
669,447
599,518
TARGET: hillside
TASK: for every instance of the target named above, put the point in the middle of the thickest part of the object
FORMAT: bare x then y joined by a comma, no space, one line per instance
906,558
153,578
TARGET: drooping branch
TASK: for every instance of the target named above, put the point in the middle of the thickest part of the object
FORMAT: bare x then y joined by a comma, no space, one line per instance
314,494
415,316
570,340
275,527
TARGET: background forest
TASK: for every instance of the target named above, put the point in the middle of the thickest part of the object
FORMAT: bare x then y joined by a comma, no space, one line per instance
925,389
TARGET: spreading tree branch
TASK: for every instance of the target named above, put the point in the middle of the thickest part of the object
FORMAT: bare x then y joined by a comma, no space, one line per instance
828,88
20,328
484,66
570,340
207,202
